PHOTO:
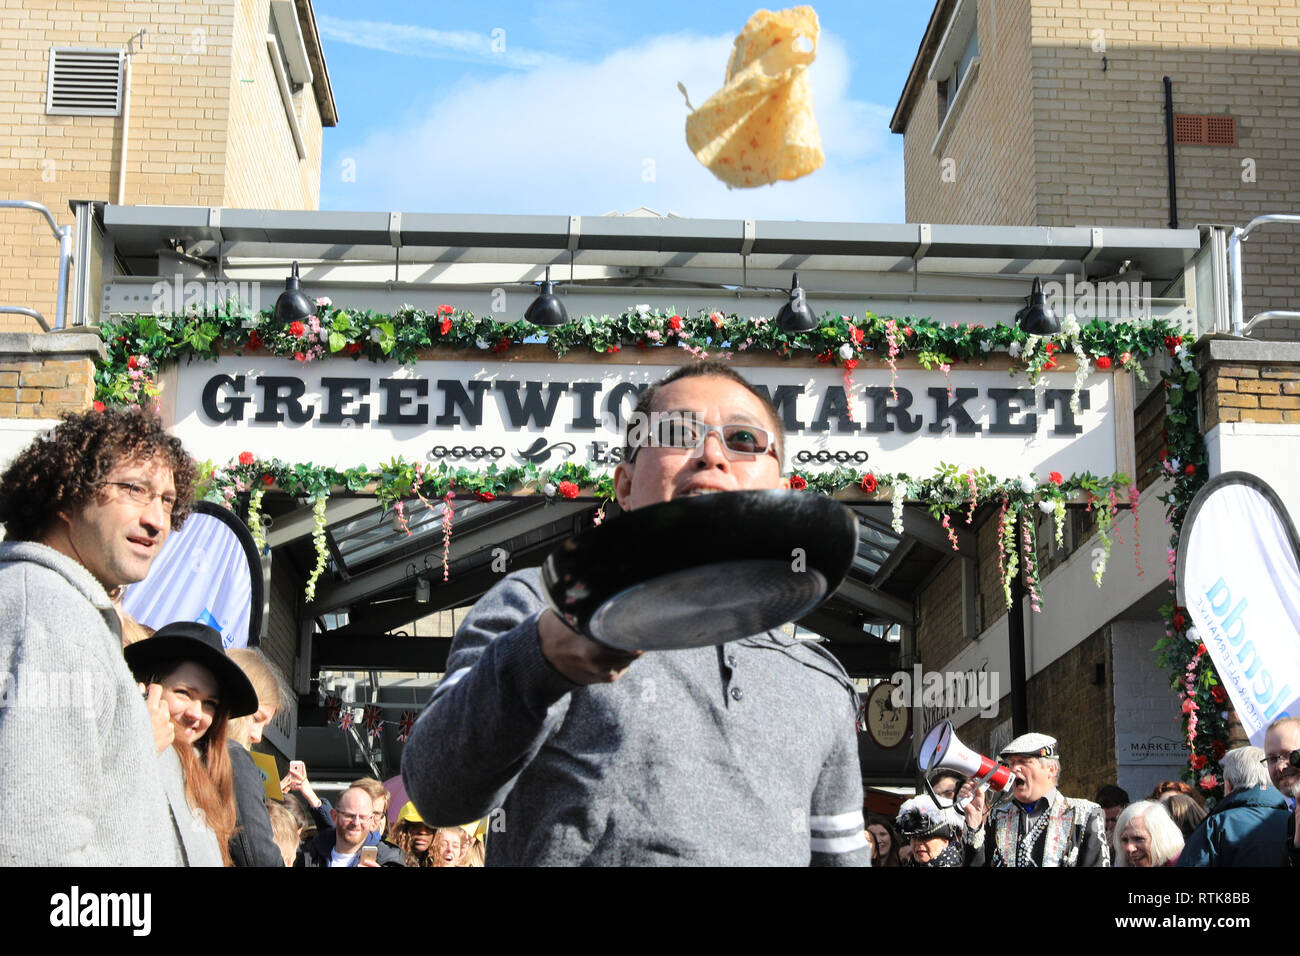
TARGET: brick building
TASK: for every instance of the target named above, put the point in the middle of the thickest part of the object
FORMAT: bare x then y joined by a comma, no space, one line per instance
1052,113
218,105
1031,112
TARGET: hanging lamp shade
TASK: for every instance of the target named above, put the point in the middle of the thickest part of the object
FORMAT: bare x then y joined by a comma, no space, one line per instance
795,316
547,310
1037,317
293,305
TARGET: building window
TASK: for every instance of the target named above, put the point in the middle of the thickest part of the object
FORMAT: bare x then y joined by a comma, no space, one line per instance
956,63
84,82
1205,130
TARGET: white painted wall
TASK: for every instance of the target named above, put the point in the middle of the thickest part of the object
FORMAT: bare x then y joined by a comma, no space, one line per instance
1149,743
1270,451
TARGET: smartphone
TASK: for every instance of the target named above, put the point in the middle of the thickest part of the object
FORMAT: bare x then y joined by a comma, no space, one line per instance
298,767
369,854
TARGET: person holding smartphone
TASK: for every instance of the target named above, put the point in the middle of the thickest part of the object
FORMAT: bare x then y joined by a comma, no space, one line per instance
344,845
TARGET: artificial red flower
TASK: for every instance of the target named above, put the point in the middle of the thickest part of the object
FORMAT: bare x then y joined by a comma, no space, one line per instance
297,328
300,356
485,496
1218,693
857,335
245,457
1197,761
1179,621
612,349
717,319
1050,364
1164,454
907,330
1209,782
268,479
1219,749
132,362
567,489
352,348
1051,348
675,323
825,358
1200,650
121,338
1055,478
1103,362
869,483
1124,358
1190,470
254,341
98,406
445,310
850,364
501,346
797,483
444,326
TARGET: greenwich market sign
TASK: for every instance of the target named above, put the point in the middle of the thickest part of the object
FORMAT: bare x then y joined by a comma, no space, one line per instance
342,413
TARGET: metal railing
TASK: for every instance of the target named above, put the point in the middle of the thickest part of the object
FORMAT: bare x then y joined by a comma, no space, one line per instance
64,235
1240,235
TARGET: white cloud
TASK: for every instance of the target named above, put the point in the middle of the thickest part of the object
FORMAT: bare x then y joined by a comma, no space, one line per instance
406,40
583,139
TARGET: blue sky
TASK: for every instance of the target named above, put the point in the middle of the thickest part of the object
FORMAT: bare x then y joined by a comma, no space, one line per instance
571,107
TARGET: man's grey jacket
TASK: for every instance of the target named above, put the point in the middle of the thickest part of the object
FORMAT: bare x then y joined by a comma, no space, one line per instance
740,754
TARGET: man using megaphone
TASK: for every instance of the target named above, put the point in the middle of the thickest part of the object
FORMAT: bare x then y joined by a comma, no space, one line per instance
1038,826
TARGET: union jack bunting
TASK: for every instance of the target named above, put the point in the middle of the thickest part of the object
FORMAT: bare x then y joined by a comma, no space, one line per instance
346,720
335,705
372,719
406,725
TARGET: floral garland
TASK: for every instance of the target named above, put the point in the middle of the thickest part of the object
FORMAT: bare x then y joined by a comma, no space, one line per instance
138,345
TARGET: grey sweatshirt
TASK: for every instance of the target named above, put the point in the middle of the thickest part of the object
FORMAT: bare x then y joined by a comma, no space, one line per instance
741,754
79,776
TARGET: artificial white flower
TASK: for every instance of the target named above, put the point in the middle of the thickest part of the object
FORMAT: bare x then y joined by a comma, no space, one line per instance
986,345
482,343
324,302
1046,506
643,308
1028,484
549,489
376,334
846,351
1014,350
1194,635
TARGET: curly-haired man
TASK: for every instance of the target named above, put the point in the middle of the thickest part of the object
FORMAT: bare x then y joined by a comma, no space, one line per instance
85,509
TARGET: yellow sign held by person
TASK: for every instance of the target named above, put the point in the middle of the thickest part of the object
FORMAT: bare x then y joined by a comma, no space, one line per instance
760,126
270,775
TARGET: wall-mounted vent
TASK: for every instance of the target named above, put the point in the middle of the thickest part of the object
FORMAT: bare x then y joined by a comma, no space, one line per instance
84,82
1205,130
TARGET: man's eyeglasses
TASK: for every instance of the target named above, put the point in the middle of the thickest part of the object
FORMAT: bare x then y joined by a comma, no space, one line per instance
1291,757
142,495
358,817
689,433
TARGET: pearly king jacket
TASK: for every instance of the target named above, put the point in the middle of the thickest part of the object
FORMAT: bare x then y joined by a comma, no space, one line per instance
1073,834
82,782
739,754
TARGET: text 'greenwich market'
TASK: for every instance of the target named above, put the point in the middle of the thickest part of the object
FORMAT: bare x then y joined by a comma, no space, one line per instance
530,404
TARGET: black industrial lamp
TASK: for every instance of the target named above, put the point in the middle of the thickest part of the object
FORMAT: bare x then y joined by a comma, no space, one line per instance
1037,317
547,310
293,305
795,316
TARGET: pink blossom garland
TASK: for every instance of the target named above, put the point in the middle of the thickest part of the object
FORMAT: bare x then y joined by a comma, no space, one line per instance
891,334
447,515
1134,500
1031,567
952,535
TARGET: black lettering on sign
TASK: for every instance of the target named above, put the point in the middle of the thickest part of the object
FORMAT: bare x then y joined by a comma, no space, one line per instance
1059,398
945,408
341,392
457,397
835,404
400,392
233,409
617,395
882,410
280,390
784,403
533,408
1004,410
586,392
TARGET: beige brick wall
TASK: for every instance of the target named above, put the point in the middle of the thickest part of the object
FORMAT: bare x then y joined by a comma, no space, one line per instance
263,170
179,81
1250,393
1090,147
198,135
990,141
45,389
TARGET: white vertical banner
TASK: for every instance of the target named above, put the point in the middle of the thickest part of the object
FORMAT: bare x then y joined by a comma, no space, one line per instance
207,572
1239,578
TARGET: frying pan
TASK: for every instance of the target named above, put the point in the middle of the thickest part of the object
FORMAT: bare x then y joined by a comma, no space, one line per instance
702,570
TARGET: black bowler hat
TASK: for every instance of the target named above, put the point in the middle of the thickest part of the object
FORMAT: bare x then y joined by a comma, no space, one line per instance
191,641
